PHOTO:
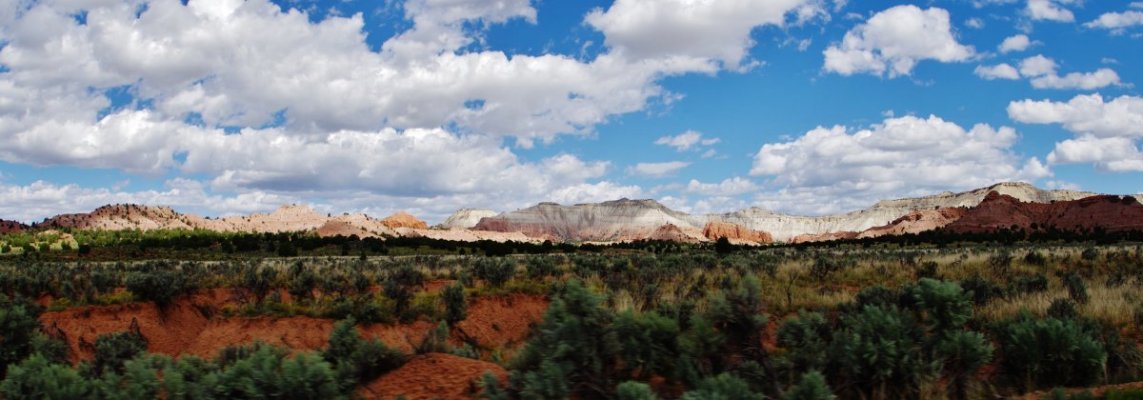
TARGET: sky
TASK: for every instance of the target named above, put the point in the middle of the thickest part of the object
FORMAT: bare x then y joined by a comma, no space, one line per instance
810,107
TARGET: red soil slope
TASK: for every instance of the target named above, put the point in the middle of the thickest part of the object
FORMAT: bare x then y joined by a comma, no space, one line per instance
433,376
7,226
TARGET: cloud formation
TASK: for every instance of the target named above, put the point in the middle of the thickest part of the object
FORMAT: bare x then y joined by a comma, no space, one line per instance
831,169
1106,132
893,41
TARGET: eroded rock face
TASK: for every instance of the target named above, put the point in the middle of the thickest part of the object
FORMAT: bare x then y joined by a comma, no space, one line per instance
466,218
735,233
609,221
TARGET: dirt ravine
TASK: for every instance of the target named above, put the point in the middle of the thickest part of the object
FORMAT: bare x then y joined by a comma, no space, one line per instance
192,326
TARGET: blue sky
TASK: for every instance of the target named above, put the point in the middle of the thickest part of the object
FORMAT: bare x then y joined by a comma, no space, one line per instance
799,106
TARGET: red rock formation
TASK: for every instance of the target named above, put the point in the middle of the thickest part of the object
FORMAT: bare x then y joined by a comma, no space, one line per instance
404,220
1109,213
11,226
734,232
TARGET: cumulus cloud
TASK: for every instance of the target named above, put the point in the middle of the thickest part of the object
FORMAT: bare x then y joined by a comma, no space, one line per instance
1106,131
833,169
1001,71
1042,71
253,96
1042,74
694,32
1015,43
893,41
728,187
657,170
686,141
1049,10
1117,21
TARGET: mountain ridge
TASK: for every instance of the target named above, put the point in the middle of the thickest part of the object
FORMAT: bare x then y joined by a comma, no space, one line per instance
609,221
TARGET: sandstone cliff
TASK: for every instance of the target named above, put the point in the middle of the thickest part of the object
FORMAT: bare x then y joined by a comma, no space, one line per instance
465,218
735,233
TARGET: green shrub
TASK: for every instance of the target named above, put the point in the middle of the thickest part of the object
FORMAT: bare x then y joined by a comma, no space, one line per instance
806,340
632,390
1049,352
494,270
269,373
161,286
572,352
112,350
961,354
943,306
18,322
357,360
1077,290
982,290
456,309
1028,284
1063,309
648,343
722,387
53,349
812,386
38,378
878,353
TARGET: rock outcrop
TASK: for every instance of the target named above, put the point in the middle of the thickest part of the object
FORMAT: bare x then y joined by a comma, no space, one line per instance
735,233
465,218
7,226
404,220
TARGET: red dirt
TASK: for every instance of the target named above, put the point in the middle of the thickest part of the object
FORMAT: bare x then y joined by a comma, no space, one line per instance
187,326
169,332
495,322
433,376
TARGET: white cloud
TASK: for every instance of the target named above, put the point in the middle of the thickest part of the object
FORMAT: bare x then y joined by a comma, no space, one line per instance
974,23
833,169
693,32
1042,74
1037,65
1106,131
1097,79
657,170
1015,43
728,187
1085,115
251,96
686,140
1117,21
1002,71
38,200
1049,10
894,41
